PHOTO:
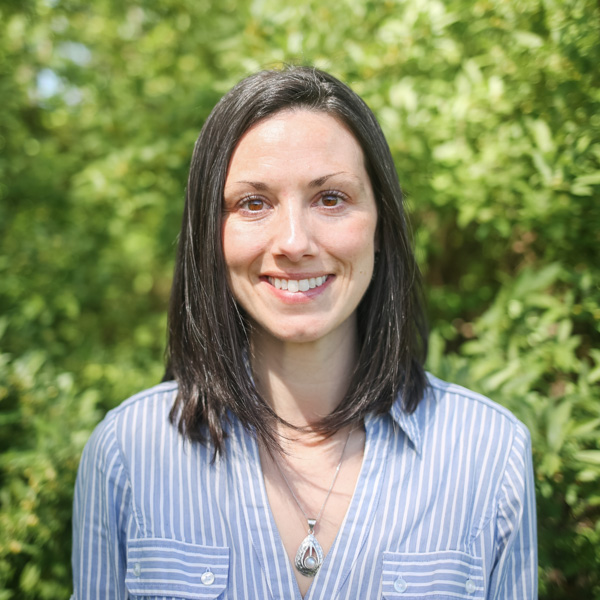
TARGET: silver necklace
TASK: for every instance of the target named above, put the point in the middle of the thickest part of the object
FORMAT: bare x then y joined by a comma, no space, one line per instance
309,557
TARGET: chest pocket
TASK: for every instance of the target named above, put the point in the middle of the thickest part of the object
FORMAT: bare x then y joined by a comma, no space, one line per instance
437,575
161,568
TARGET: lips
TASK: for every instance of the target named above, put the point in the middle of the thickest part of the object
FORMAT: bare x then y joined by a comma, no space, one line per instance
297,285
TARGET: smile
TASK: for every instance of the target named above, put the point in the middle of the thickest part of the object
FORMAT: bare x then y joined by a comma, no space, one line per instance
297,285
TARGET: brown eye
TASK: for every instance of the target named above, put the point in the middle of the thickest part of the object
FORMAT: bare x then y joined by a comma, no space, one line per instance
330,200
254,204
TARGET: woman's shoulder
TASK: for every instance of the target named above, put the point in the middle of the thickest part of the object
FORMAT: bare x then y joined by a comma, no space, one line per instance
446,391
453,403
157,394
135,422
153,403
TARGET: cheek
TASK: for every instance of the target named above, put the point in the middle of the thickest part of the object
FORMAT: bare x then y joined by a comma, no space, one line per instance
240,247
355,244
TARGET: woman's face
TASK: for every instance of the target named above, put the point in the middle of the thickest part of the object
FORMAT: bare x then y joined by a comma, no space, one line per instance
299,225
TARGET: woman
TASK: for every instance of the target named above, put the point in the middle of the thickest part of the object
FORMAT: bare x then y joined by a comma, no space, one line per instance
298,449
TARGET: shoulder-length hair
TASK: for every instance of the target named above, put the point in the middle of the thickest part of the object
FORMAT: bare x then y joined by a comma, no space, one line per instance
208,346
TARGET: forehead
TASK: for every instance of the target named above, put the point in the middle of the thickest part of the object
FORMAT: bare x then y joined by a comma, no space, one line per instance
300,138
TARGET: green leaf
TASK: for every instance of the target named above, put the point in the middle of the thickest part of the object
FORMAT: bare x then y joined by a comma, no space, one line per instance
585,427
588,456
558,421
591,179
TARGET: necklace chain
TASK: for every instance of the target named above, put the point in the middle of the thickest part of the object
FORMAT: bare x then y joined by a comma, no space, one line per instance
335,475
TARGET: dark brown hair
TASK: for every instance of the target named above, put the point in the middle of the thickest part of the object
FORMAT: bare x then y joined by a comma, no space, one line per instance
207,350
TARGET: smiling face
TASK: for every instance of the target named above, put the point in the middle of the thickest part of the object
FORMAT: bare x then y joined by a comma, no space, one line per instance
299,225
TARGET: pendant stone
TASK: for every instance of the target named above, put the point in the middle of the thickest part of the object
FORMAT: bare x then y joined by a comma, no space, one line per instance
309,557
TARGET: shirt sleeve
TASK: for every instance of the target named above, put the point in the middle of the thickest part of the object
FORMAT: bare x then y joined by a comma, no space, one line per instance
514,575
100,513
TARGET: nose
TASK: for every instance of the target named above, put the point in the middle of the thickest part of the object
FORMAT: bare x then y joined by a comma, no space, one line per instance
293,236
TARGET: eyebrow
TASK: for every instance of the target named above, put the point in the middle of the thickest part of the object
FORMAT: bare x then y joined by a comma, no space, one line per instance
259,186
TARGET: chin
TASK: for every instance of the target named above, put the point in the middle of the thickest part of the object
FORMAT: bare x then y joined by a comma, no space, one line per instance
300,334
299,337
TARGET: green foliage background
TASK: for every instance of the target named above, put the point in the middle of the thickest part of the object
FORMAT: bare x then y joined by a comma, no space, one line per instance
492,110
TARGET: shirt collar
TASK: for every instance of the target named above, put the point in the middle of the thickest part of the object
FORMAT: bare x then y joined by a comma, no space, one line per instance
411,424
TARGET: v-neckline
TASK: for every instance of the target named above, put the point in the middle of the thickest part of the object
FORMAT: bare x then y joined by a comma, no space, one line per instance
266,540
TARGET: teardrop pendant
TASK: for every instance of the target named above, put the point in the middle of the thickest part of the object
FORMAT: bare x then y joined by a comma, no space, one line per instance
309,557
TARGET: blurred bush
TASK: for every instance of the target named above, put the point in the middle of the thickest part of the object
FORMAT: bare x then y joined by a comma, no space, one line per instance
492,111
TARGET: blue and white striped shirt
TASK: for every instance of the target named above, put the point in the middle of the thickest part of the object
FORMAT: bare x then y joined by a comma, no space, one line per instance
443,508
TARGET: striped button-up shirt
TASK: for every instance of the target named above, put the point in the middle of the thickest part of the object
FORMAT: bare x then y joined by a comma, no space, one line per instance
443,508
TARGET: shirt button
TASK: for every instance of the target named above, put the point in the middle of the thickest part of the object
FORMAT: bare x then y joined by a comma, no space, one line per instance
400,585
208,577
470,586
137,569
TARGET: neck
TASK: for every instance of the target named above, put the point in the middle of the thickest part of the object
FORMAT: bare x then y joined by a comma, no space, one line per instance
304,382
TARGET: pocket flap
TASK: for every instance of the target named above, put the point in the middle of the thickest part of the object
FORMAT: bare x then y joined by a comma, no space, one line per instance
445,574
162,567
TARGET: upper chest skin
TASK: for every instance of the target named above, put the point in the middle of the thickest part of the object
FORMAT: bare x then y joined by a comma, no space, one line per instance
311,477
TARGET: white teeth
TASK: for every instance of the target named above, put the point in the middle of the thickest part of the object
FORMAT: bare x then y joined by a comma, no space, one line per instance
297,285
